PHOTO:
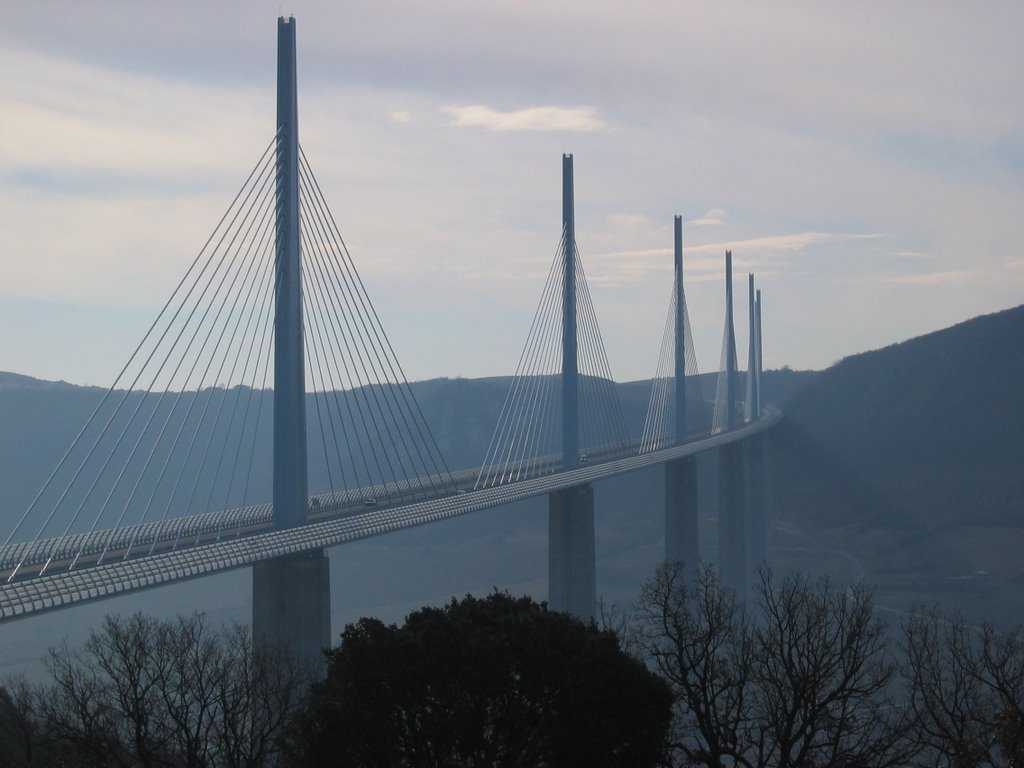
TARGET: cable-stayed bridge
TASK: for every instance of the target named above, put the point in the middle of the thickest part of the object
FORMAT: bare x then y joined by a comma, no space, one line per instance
265,416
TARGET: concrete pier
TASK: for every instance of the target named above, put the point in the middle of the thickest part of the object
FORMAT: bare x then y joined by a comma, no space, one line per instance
291,608
681,513
732,520
572,583
758,522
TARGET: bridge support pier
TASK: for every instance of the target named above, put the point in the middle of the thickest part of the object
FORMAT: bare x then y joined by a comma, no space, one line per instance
572,580
291,606
758,522
682,513
732,520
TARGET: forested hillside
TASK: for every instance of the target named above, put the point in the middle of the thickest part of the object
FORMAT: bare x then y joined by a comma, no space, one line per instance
929,429
909,460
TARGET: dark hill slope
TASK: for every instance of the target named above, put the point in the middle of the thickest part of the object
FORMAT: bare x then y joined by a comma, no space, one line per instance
927,433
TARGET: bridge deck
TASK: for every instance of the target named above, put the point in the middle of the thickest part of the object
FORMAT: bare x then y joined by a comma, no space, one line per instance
346,522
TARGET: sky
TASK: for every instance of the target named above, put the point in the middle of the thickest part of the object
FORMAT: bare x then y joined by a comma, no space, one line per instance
864,160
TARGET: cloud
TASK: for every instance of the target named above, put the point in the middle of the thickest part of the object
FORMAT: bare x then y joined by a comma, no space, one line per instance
505,276
400,116
619,267
632,254
768,243
84,133
910,255
569,119
713,218
951,277
628,221
633,264
780,243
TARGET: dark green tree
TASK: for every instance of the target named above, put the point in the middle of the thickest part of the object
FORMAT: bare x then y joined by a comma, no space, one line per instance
483,682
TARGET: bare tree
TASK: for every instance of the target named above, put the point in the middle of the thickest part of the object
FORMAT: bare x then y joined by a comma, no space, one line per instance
22,742
699,640
150,693
802,679
966,689
191,669
823,676
1002,664
79,713
262,688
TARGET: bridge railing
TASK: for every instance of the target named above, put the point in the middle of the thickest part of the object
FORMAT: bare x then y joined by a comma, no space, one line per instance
29,559
59,589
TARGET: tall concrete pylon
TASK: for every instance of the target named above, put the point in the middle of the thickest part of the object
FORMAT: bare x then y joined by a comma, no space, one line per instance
760,356
751,410
730,349
732,524
756,457
681,511
290,475
572,579
291,606
570,361
679,321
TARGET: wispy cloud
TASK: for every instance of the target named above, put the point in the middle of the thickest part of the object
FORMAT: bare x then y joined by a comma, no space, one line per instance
767,254
505,275
628,221
951,277
83,121
631,254
910,255
761,245
713,218
781,243
620,267
400,116
570,119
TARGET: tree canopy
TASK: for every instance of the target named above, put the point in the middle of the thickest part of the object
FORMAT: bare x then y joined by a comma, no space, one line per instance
492,681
